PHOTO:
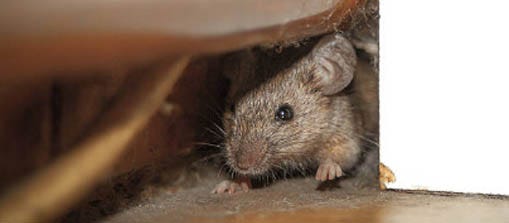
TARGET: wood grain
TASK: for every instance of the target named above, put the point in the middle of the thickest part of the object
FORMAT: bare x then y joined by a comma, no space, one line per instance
65,36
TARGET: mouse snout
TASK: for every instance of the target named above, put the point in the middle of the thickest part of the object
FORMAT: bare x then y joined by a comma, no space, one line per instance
248,160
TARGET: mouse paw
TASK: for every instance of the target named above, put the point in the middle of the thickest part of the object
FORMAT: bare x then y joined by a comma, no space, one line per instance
328,171
231,187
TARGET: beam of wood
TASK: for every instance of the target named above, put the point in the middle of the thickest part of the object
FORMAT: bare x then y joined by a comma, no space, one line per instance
58,36
53,190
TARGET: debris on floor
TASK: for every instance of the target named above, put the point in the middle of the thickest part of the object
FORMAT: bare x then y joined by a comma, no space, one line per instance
294,200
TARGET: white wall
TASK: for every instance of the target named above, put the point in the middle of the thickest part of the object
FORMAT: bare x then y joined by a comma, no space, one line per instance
444,88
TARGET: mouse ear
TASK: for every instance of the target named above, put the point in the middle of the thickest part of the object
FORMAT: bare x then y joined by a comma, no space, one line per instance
333,60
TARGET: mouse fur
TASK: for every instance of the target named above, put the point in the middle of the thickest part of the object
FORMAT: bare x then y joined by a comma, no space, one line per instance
324,132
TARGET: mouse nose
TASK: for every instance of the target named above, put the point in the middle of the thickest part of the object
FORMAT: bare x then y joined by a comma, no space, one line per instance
246,161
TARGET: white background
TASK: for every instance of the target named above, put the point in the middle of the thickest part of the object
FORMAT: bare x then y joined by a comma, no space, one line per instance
444,89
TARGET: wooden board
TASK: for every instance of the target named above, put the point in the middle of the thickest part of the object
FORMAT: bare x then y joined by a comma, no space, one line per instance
59,36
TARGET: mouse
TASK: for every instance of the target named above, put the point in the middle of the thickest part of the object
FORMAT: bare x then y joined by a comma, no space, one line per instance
299,118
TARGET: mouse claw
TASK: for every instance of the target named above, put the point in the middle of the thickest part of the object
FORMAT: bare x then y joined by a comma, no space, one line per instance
221,187
244,186
230,187
328,171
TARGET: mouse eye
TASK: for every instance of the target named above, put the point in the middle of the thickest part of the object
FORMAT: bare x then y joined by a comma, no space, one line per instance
284,113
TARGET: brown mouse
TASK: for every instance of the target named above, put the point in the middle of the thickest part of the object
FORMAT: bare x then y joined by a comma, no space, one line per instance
297,119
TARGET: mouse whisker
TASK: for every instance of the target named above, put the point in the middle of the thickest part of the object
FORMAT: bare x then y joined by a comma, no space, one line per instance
219,136
372,142
366,139
301,170
232,173
273,175
219,173
219,128
220,146
360,136
206,158
216,110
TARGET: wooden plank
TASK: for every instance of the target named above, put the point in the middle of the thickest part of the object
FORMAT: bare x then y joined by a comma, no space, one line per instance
60,36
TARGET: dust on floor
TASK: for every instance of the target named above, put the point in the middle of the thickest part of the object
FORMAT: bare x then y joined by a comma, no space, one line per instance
296,200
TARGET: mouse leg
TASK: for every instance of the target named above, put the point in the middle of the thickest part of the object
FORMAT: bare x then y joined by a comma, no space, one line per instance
328,170
242,184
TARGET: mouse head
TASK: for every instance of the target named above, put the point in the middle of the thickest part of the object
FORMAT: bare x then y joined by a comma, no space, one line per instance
280,123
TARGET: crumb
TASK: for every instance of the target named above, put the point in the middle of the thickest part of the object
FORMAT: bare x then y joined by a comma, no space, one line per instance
386,176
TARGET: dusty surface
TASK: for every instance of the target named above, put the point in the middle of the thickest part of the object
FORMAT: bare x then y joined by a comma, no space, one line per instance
297,200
